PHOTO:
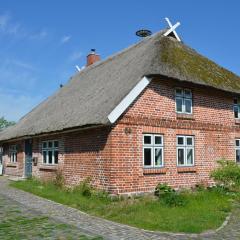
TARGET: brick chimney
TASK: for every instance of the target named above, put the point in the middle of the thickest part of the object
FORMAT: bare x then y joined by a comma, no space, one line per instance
92,57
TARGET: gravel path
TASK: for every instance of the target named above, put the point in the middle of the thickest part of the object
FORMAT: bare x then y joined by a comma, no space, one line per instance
107,229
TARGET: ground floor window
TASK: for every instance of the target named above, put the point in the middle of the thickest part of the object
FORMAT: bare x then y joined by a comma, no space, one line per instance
50,152
237,149
185,150
13,153
152,150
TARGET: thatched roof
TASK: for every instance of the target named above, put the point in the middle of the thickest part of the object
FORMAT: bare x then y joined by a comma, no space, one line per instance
89,96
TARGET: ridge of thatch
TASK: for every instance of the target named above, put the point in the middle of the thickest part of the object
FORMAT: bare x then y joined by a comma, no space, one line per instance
90,96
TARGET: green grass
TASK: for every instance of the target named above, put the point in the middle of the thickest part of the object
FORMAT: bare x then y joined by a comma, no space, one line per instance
204,209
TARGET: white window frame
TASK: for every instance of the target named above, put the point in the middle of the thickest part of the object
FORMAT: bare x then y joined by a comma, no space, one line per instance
236,105
237,148
185,147
48,149
183,98
13,153
153,146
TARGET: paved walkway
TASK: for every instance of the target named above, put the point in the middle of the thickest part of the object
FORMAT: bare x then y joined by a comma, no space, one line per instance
107,229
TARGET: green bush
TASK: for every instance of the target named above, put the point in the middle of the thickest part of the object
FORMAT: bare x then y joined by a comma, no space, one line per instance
85,187
162,189
168,196
227,174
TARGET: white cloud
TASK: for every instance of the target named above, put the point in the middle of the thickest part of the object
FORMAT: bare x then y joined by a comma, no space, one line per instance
10,27
65,39
75,56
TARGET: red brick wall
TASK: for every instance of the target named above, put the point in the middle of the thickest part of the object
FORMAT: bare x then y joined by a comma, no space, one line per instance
88,154
212,124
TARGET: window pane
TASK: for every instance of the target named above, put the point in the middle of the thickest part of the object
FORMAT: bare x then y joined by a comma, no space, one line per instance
179,92
15,157
180,140
56,157
180,156
50,144
238,155
147,139
189,156
158,156
236,110
188,105
189,141
56,144
44,157
237,142
158,140
187,93
50,157
179,103
44,144
147,156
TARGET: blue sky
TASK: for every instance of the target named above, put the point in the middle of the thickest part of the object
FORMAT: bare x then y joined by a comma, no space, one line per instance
42,41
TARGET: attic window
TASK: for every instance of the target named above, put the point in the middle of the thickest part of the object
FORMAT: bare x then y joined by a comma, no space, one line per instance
183,99
236,107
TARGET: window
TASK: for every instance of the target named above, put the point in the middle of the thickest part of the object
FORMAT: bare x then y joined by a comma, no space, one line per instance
236,107
237,148
152,150
185,150
13,153
183,100
50,152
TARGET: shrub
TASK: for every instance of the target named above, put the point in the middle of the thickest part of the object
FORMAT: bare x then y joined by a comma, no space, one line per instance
227,174
162,189
85,187
59,180
168,196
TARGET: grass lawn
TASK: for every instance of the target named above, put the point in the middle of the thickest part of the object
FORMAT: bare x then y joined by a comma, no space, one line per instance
203,210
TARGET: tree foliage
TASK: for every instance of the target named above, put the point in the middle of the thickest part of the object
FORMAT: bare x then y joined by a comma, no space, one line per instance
5,123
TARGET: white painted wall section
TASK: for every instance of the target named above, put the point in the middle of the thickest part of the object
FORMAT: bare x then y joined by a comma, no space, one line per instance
128,100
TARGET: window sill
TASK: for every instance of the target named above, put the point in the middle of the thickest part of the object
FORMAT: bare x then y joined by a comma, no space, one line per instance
154,171
13,165
237,121
186,169
185,116
48,167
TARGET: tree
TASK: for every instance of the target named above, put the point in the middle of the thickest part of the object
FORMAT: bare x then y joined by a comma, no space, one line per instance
5,123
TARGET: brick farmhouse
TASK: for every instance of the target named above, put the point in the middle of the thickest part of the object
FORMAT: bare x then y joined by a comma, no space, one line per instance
155,112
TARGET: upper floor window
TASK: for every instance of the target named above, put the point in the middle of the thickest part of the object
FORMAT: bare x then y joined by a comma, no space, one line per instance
236,107
50,152
237,148
13,153
152,150
185,150
183,100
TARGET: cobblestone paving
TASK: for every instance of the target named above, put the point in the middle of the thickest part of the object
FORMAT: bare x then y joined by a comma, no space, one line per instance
19,222
107,229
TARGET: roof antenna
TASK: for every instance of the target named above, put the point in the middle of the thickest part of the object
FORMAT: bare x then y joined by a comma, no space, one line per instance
143,33
172,29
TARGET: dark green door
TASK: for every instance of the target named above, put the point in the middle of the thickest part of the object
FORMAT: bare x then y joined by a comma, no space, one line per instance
28,158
